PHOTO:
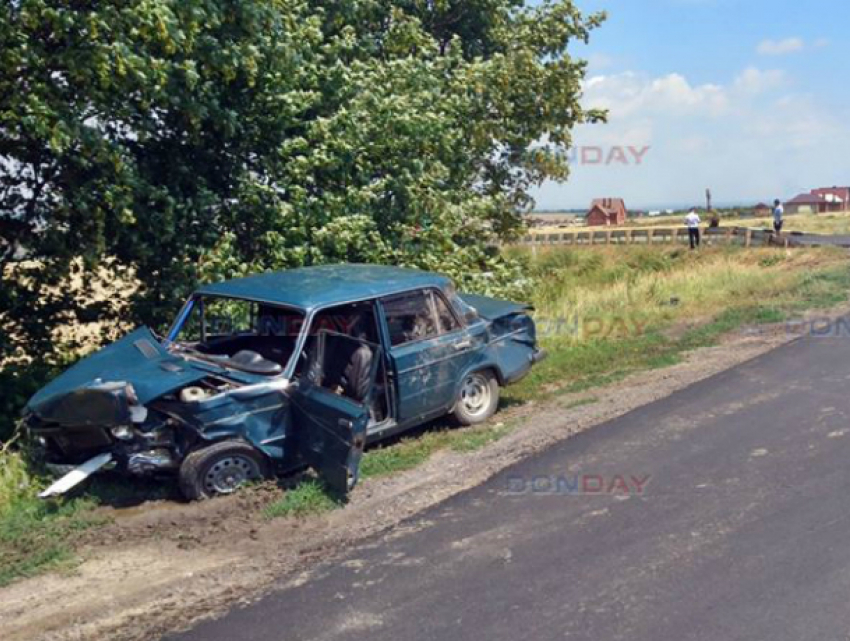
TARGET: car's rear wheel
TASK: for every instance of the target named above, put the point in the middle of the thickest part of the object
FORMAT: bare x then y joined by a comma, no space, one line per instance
221,469
478,398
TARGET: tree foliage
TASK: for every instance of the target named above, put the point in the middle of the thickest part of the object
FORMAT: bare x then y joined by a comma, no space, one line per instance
187,139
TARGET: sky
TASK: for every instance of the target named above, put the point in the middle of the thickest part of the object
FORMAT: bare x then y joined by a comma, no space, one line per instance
750,98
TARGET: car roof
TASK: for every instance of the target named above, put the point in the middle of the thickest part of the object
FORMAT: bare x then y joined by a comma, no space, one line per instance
312,287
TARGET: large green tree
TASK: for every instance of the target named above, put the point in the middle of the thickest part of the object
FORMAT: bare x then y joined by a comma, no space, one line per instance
186,139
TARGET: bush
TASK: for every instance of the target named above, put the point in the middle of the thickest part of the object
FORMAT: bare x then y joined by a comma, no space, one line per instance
248,135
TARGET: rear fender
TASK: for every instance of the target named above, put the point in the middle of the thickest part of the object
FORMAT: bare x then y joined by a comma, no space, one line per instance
512,347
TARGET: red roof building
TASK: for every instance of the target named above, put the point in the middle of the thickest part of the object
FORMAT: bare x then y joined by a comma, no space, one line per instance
762,209
814,203
820,201
607,211
834,195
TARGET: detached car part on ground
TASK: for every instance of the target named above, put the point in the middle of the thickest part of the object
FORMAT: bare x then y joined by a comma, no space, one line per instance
271,373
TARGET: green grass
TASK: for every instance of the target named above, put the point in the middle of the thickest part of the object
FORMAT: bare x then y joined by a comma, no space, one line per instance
575,367
820,290
36,535
475,438
413,451
307,498
404,455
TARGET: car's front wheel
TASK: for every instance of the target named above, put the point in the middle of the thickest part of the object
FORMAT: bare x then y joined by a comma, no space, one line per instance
478,398
220,469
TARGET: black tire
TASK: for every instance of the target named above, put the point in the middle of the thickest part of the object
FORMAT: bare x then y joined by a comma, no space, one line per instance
220,469
478,398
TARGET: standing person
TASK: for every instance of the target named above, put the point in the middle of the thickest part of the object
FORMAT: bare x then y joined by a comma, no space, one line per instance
692,221
778,212
714,221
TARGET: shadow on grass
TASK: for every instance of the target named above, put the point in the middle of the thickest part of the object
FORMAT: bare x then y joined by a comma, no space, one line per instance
114,490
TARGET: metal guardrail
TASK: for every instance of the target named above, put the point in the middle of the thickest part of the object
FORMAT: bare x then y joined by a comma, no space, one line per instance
747,237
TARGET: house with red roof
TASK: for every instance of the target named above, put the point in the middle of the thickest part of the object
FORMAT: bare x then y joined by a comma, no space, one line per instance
762,209
820,201
835,196
814,203
606,212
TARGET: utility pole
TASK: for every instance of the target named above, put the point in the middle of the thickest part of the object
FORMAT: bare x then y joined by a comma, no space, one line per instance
714,220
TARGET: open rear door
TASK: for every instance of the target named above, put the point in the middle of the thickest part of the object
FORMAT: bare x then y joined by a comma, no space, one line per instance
331,407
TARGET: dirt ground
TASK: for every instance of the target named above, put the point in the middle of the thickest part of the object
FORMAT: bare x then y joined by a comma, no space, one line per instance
161,566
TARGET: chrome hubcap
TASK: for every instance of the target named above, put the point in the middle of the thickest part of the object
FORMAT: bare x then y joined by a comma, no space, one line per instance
226,475
475,395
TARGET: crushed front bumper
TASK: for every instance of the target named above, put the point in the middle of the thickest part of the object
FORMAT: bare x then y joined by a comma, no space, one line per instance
77,476
66,449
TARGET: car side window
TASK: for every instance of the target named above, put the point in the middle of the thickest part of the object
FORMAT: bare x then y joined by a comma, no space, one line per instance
447,321
410,317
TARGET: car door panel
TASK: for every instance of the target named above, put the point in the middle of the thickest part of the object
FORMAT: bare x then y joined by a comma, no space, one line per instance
331,428
418,373
427,370
330,435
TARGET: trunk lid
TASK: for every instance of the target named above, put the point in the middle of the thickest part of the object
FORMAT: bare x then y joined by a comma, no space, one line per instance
492,308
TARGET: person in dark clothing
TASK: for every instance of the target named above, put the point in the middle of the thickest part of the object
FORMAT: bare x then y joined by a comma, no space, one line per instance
714,221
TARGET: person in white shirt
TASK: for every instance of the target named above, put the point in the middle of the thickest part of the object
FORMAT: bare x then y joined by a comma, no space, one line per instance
692,221
778,213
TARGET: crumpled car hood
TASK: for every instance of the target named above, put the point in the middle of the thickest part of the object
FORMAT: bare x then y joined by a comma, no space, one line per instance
138,359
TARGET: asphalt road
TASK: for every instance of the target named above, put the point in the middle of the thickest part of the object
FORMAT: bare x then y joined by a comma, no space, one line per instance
741,532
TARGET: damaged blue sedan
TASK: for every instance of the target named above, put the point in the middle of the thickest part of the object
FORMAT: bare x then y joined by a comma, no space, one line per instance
267,374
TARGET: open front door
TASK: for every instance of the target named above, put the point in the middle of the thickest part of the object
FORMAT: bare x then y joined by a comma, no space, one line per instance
331,407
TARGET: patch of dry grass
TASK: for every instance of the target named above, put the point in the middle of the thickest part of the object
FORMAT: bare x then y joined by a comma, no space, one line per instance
603,312
616,290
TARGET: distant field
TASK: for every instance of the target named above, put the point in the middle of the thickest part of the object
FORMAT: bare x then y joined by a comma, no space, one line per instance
836,223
